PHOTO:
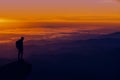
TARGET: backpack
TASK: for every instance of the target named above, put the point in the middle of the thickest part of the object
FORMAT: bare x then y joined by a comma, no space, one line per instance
17,44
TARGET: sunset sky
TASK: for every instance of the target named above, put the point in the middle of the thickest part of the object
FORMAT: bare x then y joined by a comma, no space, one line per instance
60,10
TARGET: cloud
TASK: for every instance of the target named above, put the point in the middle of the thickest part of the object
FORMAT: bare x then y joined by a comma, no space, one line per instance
110,1
118,0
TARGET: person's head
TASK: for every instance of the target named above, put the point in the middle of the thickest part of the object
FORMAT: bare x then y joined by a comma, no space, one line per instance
22,38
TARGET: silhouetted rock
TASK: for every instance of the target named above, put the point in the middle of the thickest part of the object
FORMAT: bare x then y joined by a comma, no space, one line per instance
15,71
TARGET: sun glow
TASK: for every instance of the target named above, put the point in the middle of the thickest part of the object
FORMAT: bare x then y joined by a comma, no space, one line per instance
7,20
2,20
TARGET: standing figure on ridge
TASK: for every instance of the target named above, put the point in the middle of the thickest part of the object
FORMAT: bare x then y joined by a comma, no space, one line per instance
19,46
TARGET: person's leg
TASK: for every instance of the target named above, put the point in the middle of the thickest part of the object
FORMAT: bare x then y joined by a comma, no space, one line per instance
18,54
21,54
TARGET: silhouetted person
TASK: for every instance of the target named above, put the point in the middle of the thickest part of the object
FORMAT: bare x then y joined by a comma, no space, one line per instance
19,46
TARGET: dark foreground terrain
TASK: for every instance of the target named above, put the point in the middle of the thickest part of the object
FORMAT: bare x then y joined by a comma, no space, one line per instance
15,71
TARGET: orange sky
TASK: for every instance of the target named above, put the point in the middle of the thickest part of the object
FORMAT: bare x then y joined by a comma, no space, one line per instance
60,10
